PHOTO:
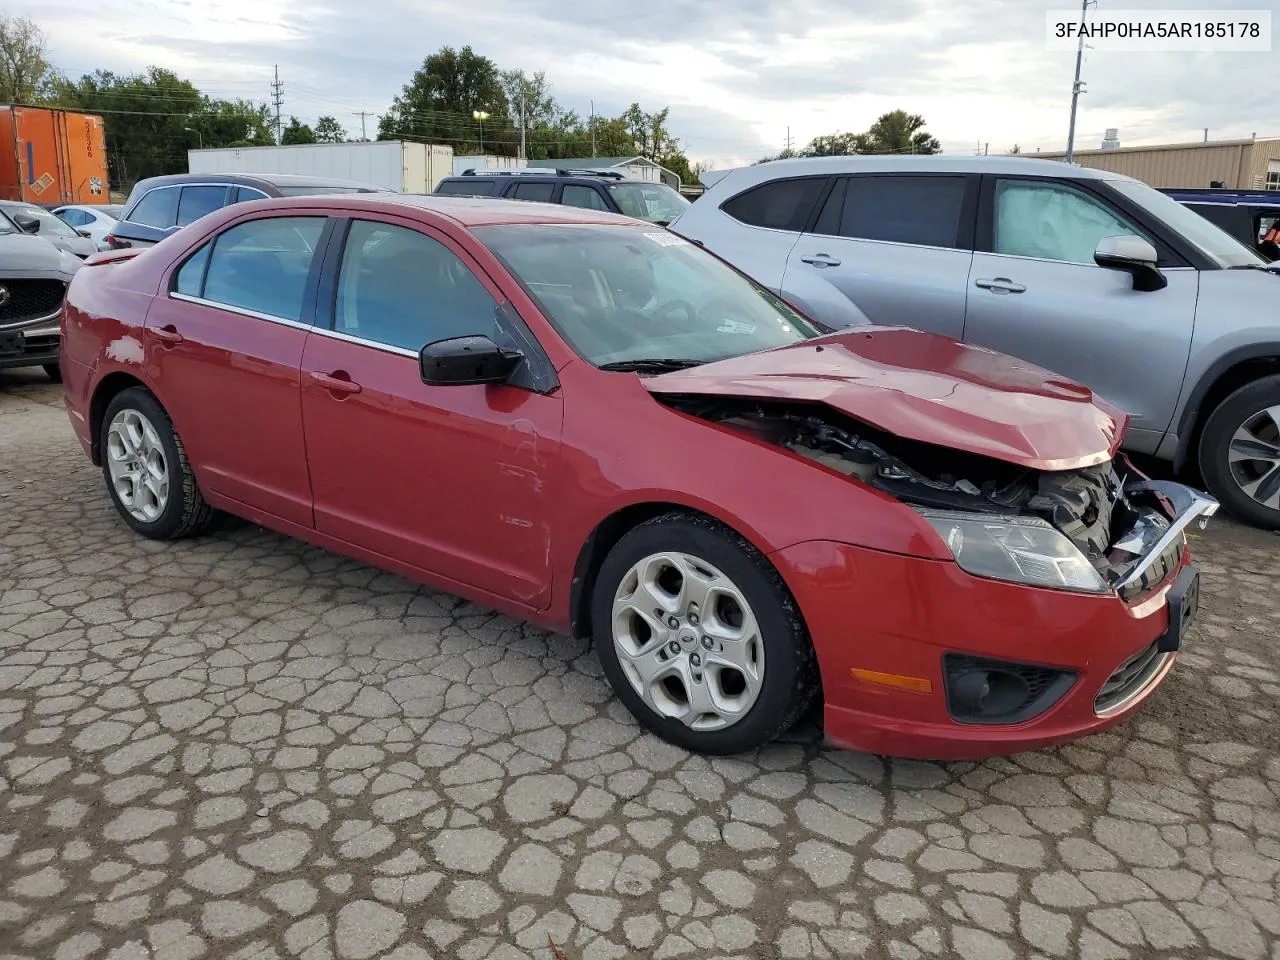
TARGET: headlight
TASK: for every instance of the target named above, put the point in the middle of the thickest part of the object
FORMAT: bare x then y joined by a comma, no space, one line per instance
1024,550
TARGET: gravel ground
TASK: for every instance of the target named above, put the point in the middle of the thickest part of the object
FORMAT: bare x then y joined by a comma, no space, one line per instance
243,747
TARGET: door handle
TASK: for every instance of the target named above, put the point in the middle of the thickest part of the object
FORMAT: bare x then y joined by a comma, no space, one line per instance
1000,285
821,260
168,335
338,382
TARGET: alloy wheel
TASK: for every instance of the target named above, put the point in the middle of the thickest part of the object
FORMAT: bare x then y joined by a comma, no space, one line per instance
1254,457
137,465
687,641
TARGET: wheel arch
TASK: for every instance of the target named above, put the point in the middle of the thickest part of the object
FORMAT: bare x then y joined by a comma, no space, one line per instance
104,392
614,527
1225,376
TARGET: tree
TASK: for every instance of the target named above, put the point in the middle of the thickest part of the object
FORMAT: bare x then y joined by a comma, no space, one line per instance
329,130
1015,150
898,132
155,117
437,105
833,145
296,132
25,71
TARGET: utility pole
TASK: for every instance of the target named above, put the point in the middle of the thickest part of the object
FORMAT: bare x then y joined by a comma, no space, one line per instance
593,127
523,154
277,95
1077,86
362,114
787,149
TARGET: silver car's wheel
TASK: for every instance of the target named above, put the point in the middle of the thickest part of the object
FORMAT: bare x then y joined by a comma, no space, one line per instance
1254,455
137,465
687,641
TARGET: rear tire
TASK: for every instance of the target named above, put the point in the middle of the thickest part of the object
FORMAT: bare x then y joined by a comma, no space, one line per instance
1240,453
148,476
736,671
53,372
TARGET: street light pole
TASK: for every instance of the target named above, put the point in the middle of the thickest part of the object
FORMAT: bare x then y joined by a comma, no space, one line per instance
480,116
199,136
1076,86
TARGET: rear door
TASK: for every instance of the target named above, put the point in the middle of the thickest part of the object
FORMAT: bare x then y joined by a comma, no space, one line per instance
888,249
762,224
1035,292
224,346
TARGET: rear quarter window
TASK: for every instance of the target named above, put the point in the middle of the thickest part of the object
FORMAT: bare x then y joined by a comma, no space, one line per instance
157,209
778,204
466,188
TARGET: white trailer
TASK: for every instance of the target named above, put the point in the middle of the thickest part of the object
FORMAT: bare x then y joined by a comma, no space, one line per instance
396,165
484,161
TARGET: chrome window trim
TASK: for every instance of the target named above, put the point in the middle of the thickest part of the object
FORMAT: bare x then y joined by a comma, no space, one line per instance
295,324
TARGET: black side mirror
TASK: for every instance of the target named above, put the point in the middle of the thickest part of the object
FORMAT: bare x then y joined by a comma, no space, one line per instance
84,233
459,361
27,223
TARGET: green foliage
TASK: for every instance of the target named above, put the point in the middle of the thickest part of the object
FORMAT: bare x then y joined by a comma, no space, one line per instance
439,104
154,117
894,132
296,132
329,130
25,71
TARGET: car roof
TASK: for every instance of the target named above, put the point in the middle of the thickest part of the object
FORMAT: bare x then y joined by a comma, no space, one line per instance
465,211
252,180
1259,198
935,163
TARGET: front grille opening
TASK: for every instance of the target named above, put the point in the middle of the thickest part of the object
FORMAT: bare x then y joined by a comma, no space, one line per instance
1000,691
29,299
1129,677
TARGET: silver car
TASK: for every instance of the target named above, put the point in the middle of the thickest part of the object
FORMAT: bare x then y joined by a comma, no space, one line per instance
1087,273
28,218
33,280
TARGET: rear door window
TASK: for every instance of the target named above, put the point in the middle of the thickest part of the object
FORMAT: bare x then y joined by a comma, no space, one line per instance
920,210
535,191
260,265
157,209
77,218
466,188
778,204
198,201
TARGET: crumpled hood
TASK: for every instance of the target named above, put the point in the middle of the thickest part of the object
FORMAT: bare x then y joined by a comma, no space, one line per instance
925,387
24,255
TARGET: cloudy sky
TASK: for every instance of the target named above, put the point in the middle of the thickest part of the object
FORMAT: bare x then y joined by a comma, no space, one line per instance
736,73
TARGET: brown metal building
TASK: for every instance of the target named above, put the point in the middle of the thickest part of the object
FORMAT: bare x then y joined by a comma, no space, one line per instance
1238,164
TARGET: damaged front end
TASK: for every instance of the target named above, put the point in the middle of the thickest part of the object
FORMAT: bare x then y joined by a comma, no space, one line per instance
1094,529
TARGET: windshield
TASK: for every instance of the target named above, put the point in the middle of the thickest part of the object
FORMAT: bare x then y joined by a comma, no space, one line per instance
50,225
655,202
1210,239
620,294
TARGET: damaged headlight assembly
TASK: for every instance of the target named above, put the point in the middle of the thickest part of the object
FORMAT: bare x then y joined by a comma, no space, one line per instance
1017,549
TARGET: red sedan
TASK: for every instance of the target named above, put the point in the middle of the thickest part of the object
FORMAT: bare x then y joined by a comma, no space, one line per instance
590,423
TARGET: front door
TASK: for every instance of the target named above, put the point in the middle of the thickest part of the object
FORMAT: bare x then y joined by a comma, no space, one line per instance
888,249
454,480
1037,294
224,345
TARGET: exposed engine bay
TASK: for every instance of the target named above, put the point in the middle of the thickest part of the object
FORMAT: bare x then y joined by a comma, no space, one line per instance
1090,506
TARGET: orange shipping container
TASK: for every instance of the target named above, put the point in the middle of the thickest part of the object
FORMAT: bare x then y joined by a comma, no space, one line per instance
51,157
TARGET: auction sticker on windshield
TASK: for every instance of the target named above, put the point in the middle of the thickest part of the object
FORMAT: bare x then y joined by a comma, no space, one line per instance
666,239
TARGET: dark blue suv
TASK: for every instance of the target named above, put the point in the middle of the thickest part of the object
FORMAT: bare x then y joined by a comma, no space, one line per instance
594,190
1251,216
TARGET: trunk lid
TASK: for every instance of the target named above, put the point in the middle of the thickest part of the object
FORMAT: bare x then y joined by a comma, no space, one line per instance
925,387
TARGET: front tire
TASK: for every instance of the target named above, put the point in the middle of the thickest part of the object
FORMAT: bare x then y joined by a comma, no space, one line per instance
700,638
53,372
146,469
1240,453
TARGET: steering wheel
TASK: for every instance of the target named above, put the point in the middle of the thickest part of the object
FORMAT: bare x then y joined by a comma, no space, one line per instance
665,311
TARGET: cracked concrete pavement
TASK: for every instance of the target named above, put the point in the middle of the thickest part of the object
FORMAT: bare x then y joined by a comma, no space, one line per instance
243,747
